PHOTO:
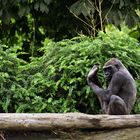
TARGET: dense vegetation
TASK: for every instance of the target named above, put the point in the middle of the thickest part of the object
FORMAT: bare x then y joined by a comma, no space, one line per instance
56,81
48,46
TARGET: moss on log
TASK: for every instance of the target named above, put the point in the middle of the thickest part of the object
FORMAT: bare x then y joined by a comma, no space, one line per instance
115,134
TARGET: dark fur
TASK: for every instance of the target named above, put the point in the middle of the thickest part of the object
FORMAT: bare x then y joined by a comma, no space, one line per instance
120,96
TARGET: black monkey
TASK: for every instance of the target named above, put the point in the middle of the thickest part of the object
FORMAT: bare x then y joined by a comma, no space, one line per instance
120,96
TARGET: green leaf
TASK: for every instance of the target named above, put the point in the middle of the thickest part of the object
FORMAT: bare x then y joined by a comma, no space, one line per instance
43,7
48,1
83,7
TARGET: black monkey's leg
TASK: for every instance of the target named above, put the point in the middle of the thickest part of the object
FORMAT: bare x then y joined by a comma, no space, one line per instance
117,106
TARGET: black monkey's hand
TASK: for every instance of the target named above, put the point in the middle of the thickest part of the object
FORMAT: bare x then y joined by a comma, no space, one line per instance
92,73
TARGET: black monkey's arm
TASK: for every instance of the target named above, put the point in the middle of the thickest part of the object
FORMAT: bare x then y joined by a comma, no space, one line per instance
92,76
94,83
100,92
113,88
116,84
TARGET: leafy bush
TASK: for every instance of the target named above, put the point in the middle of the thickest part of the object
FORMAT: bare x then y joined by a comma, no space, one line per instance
8,76
66,64
56,82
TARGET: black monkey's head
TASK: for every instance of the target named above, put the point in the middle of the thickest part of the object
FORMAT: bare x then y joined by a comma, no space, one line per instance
112,66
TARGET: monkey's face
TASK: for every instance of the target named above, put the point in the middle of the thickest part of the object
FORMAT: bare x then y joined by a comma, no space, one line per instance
109,71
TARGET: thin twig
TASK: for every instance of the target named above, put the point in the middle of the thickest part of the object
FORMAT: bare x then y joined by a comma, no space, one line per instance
2,137
106,13
81,19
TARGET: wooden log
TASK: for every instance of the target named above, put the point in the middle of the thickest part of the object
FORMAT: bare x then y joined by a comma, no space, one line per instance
56,121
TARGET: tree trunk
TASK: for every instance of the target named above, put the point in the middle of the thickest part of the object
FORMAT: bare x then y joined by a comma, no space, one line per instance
56,121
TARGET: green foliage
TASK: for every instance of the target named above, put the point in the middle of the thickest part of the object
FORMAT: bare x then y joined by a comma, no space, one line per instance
56,82
33,20
113,12
13,8
8,74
